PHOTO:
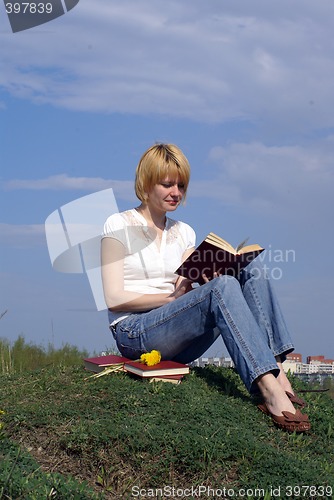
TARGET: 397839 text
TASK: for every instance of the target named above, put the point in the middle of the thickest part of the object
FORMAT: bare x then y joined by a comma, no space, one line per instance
29,8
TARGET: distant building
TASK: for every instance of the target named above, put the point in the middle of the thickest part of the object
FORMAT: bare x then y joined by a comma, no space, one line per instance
293,360
216,361
315,364
316,368
294,356
319,360
315,378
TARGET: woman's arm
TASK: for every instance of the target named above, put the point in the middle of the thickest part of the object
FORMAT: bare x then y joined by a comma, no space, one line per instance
118,299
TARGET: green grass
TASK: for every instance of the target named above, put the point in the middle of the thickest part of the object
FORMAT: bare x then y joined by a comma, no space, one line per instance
67,437
19,356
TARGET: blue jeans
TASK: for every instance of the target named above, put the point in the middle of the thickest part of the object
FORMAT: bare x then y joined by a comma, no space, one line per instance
244,311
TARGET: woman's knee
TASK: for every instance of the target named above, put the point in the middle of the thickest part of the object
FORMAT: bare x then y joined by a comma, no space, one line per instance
227,280
254,272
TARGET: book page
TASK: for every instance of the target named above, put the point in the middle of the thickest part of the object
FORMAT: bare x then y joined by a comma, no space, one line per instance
241,248
250,248
219,242
241,245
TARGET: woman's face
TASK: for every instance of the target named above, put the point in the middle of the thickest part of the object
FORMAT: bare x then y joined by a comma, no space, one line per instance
166,196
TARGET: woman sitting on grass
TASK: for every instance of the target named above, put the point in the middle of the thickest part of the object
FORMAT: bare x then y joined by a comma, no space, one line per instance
151,307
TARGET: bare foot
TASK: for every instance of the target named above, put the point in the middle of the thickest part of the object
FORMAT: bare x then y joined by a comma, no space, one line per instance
283,379
274,395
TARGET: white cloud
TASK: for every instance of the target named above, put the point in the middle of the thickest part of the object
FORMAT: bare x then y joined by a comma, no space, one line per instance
208,61
61,182
282,180
275,179
22,235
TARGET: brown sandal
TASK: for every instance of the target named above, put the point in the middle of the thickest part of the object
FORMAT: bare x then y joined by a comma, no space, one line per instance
296,399
290,422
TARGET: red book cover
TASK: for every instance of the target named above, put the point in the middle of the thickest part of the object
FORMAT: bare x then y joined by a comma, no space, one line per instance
101,362
162,368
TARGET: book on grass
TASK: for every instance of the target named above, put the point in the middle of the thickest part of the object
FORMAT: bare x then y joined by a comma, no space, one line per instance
173,379
99,363
162,368
215,255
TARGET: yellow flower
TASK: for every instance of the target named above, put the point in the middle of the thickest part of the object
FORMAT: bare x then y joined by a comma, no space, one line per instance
151,358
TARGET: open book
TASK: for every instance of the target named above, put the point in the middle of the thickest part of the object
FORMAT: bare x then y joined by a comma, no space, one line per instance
215,255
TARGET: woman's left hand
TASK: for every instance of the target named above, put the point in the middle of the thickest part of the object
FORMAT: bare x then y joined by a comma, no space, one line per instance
184,286
206,279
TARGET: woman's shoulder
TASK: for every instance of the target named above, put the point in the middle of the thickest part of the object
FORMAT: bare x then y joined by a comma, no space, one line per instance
118,220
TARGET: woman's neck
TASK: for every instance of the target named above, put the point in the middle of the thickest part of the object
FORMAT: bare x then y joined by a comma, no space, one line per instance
152,218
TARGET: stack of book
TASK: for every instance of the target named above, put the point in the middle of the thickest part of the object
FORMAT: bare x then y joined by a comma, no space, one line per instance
165,371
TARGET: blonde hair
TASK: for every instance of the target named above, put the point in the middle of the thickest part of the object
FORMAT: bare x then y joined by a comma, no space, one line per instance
157,163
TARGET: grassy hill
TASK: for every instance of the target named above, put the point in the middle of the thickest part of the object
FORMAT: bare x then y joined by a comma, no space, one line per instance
65,437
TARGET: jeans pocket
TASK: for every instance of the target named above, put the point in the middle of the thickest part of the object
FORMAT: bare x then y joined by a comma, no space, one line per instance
129,327
129,338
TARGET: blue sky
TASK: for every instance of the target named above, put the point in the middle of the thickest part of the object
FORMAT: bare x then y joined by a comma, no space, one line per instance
244,88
